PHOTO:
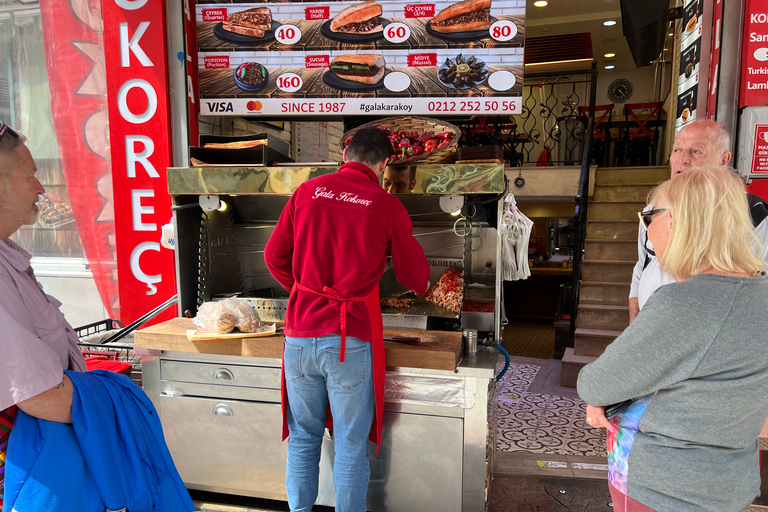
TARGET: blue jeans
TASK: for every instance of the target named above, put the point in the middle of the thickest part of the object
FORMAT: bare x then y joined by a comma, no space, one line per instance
313,377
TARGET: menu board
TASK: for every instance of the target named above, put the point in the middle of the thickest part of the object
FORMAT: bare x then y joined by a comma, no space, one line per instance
754,67
385,57
690,62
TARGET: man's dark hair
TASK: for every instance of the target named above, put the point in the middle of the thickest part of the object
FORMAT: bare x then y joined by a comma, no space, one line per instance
369,146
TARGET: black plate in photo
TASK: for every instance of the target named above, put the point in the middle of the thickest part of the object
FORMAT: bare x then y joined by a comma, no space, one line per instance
344,37
233,37
249,87
484,68
334,80
470,35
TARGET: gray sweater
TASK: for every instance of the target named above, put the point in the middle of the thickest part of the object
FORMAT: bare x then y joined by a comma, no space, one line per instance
701,346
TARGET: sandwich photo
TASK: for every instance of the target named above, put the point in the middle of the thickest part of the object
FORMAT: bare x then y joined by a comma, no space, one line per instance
691,24
466,16
253,22
365,68
362,18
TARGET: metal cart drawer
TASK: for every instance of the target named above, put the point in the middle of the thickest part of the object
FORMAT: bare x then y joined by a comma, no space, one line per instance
227,446
223,374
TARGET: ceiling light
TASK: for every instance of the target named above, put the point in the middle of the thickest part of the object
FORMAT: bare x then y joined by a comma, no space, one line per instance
540,3
670,34
610,66
609,55
607,23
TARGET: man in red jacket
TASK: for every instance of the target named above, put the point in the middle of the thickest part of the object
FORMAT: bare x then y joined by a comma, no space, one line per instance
329,249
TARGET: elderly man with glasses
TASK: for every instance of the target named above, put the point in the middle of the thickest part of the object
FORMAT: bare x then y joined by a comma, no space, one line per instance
697,144
55,416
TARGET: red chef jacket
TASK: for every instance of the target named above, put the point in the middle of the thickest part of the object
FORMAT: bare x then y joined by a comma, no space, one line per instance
332,239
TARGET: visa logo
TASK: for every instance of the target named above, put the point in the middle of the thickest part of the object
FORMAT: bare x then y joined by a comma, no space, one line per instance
220,106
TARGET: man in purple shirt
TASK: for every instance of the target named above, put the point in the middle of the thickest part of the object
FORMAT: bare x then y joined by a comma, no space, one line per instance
37,344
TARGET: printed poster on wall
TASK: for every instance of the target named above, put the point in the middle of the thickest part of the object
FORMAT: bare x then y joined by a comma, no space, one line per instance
385,57
690,62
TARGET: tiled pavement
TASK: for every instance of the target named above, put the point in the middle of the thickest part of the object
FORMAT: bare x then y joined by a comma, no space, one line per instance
541,427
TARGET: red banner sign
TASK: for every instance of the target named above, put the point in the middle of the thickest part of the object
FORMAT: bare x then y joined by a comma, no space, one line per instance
754,60
317,13
422,59
215,14
714,65
74,54
317,61
137,92
420,11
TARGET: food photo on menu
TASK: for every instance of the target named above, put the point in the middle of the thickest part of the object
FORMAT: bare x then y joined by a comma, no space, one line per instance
358,23
469,18
348,71
461,73
252,25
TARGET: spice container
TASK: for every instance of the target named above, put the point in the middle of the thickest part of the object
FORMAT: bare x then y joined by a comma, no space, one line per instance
470,342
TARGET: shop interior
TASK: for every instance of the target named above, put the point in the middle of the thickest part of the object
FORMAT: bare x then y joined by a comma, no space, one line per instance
542,440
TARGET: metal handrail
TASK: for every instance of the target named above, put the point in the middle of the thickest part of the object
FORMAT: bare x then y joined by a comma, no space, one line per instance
582,201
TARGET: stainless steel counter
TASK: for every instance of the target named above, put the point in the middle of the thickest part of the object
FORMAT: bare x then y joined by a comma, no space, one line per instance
222,422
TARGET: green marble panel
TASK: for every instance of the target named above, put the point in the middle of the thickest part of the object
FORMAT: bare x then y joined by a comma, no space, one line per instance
430,179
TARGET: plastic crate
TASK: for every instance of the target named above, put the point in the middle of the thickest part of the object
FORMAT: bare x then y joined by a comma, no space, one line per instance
115,352
97,327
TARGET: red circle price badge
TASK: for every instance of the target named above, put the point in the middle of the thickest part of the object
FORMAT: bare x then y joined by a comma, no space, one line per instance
288,34
397,32
503,30
289,82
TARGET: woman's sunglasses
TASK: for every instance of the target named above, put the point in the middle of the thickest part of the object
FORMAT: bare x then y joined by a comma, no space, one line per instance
647,217
6,130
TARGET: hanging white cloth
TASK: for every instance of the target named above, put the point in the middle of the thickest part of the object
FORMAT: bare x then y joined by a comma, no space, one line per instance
515,230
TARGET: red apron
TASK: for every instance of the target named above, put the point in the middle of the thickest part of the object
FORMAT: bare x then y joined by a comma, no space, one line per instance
379,360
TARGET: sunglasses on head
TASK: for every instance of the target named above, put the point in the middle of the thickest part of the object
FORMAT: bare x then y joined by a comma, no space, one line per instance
647,217
7,130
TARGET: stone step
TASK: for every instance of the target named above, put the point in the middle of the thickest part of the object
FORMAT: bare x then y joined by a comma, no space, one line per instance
571,365
622,193
601,210
606,292
611,249
631,175
594,315
592,342
607,270
613,229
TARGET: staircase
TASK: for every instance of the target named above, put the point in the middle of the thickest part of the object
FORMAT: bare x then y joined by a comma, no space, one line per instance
610,254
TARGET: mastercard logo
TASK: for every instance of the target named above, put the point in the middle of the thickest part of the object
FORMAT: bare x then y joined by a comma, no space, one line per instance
253,106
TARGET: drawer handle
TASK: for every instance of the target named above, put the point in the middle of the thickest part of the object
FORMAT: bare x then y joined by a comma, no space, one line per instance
223,374
223,410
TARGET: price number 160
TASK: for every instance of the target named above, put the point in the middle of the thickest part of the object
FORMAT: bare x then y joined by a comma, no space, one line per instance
289,82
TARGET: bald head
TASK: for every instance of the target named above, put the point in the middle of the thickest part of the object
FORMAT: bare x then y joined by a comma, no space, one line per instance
700,143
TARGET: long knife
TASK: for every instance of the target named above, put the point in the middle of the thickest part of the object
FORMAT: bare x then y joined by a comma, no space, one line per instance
403,339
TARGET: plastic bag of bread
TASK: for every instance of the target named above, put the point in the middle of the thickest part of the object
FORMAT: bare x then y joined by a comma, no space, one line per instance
215,317
246,317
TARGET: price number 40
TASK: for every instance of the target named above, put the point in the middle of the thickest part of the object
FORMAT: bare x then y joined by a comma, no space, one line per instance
288,34
289,82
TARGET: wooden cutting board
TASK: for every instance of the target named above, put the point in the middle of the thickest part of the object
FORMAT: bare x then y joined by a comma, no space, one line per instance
439,350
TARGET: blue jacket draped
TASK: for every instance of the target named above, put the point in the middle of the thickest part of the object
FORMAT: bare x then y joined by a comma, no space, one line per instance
113,457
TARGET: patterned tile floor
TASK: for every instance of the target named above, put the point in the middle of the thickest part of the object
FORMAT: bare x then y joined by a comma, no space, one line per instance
535,422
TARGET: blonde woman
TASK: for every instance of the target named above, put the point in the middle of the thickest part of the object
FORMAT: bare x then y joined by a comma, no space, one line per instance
694,362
